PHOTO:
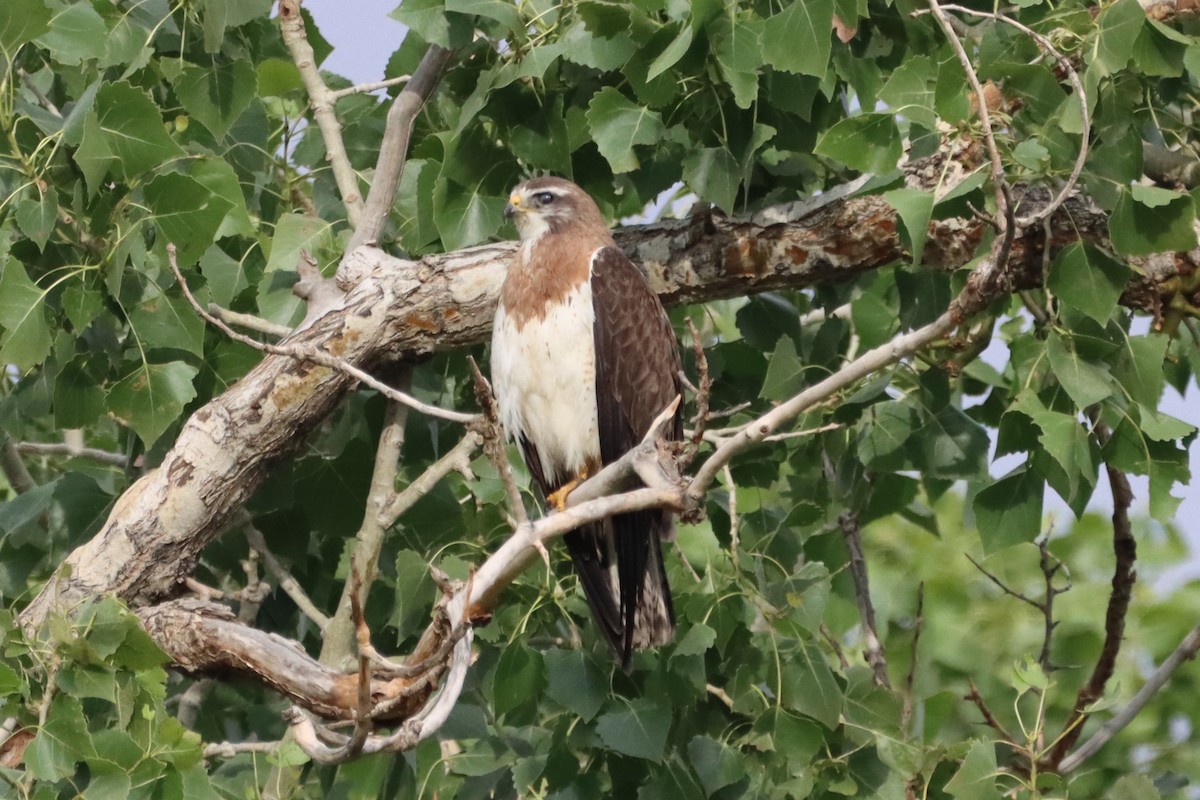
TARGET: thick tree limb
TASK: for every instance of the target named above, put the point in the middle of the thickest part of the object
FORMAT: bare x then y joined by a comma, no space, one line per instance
399,310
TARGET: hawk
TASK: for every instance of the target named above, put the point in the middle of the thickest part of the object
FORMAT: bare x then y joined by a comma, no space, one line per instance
583,360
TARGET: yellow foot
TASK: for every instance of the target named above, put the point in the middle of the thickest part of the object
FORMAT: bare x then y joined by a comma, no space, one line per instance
558,498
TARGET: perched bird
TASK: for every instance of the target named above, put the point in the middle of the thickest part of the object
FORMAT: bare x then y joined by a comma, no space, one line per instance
583,360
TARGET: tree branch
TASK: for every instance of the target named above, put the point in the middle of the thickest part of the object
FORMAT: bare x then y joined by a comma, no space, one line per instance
291,25
393,150
1124,577
400,310
1186,651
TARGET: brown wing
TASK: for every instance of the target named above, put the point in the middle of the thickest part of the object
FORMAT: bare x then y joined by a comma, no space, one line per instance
637,376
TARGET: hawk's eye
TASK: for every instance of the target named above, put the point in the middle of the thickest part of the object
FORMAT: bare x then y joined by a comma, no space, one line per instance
544,198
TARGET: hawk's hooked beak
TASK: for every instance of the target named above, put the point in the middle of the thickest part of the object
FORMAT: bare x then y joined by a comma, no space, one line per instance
513,206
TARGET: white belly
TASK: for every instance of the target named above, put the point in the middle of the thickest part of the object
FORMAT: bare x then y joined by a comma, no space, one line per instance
544,377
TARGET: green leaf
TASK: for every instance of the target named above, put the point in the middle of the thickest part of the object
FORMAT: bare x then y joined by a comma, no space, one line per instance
76,33
1086,383
909,91
221,15
639,730
93,156
187,213
976,778
1150,220
21,21
809,687
1139,368
152,397
433,23
737,45
697,641
617,124
884,430
1087,280
466,217
219,177
717,764
1009,511
167,322
504,13
713,174
1134,787
132,128
61,742
576,682
1119,25
950,445
675,51
25,336
216,95
78,401
798,39
869,143
915,207
785,373
518,679
414,592
26,507
37,217
597,52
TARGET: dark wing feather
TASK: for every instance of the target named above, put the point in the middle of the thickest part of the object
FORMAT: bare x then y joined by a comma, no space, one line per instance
637,376
589,550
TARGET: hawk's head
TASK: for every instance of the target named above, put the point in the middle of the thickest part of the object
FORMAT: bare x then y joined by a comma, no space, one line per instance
551,205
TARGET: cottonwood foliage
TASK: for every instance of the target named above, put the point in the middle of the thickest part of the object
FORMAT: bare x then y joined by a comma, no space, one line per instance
128,125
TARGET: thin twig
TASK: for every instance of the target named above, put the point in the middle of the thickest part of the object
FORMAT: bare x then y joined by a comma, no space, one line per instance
13,467
1186,650
234,749
703,396
873,648
988,717
1081,158
316,356
1005,219
836,646
910,678
493,444
64,449
43,101
371,86
457,459
249,321
287,581
368,541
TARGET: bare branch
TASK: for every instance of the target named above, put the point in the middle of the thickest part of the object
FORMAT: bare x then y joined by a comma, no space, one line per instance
248,321
234,749
873,649
287,582
910,678
1186,651
1124,577
457,459
1080,94
493,445
291,25
371,86
315,356
393,150
988,717
13,467
66,449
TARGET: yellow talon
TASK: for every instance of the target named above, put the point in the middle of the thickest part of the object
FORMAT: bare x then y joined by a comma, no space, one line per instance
558,498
